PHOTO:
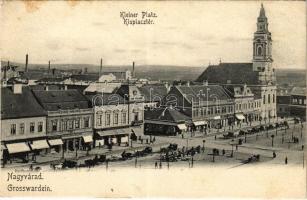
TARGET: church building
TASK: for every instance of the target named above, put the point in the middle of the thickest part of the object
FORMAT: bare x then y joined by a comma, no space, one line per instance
258,75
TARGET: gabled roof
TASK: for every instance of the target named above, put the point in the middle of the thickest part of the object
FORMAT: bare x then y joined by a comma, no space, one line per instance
233,90
61,99
153,92
166,114
236,73
199,92
19,105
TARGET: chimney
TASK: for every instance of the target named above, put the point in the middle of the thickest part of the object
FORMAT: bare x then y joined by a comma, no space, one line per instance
17,88
205,83
46,88
100,70
49,67
188,83
133,72
26,66
65,87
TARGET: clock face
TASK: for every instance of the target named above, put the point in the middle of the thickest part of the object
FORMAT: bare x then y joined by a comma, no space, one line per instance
135,92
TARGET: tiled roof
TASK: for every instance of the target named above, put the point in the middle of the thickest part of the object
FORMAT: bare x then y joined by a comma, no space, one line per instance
236,73
107,99
153,92
61,99
19,105
199,92
165,114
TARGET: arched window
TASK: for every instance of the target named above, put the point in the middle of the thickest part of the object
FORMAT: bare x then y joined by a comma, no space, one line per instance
263,99
269,98
259,51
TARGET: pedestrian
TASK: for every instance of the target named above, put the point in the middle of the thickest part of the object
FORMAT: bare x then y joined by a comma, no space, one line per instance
302,147
274,154
215,137
156,165
160,165
153,140
223,152
286,160
31,167
236,147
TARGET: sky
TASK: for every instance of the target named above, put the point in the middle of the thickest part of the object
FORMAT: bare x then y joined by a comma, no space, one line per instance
184,33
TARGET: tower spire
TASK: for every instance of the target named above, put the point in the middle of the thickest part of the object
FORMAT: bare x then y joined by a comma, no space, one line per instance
262,12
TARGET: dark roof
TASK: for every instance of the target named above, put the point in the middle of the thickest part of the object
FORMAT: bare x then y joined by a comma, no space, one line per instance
237,73
43,87
85,77
19,105
283,99
61,99
106,98
52,79
165,114
153,92
199,92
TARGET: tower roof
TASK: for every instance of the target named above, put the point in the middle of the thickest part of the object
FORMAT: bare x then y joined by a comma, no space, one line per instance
262,12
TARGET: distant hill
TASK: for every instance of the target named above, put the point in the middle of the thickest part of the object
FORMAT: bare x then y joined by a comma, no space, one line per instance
296,77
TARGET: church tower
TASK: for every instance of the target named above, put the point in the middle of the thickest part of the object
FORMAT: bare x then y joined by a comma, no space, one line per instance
262,50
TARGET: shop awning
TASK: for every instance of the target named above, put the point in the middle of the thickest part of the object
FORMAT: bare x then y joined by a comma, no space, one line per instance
114,132
17,147
87,138
217,117
39,144
99,143
3,147
55,142
240,116
124,139
200,123
182,126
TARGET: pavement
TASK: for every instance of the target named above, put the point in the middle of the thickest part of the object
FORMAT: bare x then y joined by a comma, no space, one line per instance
255,144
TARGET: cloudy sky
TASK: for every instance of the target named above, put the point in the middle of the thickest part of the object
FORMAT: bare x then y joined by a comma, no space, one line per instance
184,33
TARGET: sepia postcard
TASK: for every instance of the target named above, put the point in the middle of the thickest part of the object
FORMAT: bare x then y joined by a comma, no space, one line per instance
152,99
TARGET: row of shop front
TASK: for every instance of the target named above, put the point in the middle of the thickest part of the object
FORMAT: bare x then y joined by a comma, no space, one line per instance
28,149
156,127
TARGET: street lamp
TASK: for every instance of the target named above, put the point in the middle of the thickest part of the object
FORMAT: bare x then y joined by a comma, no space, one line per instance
204,145
302,129
272,136
282,139
232,143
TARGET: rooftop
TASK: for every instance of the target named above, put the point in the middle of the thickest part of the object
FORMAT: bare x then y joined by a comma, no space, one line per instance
234,73
19,105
